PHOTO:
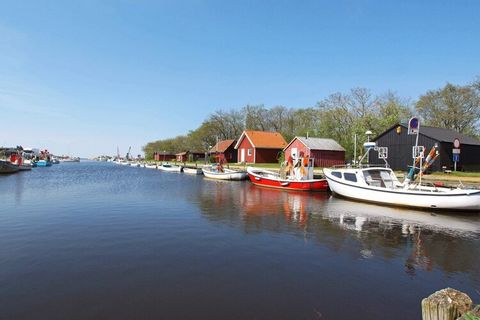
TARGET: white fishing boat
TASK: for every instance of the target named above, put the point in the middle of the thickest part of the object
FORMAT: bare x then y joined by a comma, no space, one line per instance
220,173
25,165
169,167
189,170
380,185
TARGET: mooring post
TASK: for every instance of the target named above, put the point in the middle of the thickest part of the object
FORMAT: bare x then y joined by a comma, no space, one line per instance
446,304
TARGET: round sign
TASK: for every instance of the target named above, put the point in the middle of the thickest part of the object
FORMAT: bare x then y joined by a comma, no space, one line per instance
413,123
456,143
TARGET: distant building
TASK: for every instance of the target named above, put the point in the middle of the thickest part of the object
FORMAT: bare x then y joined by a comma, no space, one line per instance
164,156
259,146
400,145
189,156
225,150
326,152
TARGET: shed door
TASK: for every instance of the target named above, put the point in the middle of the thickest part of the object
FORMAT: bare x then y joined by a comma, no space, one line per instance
242,155
294,152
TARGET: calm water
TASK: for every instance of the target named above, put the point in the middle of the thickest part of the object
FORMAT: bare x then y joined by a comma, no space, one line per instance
101,241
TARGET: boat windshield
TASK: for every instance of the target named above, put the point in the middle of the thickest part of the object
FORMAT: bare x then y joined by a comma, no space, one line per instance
379,178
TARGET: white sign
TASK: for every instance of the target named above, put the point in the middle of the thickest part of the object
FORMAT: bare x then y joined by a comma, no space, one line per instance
456,144
456,151
418,152
413,125
382,152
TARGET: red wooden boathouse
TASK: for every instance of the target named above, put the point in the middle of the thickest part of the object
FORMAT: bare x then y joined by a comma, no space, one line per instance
259,146
225,150
327,152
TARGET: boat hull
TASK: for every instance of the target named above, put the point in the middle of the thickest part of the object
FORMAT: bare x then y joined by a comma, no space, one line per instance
227,175
7,167
43,163
170,168
455,200
192,170
271,181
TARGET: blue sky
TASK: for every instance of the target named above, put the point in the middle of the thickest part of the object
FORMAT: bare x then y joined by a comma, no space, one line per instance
84,77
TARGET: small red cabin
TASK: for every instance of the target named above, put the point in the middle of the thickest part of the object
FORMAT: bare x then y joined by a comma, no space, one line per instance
163,156
225,151
326,152
189,156
259,146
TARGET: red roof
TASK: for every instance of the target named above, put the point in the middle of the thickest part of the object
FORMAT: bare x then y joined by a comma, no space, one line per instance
263,139
222,146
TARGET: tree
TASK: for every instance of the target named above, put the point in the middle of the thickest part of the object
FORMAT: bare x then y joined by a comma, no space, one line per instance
452,107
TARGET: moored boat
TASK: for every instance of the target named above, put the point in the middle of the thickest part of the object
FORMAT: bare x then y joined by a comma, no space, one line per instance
220,173
380,185
150,166
190,170
43,163
8,167
25,165
270,179
169,167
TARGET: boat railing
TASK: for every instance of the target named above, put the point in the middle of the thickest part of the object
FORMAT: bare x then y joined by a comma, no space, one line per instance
361,165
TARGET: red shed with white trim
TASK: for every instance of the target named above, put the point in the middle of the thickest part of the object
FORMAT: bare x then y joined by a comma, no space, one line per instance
326,152
259,146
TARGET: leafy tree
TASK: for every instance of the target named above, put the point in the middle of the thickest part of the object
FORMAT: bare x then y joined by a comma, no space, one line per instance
453,107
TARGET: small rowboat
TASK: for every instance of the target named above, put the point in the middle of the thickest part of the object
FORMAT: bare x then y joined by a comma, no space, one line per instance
169,167
272,179
225,174
150,166
192,170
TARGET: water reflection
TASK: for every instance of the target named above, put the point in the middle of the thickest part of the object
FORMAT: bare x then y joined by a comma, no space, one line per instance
423,241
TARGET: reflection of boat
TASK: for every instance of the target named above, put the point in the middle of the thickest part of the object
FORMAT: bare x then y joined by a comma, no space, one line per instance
362,215
213,172
296,181
380,185
169,167
8,167
192,170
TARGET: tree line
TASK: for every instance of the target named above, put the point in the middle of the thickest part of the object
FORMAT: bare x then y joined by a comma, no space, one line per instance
339,116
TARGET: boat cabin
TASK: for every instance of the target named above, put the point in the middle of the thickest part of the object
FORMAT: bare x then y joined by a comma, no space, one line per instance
374,177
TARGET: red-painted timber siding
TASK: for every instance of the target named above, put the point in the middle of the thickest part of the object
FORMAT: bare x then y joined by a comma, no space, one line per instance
323,158
245,144
182,158
267,155
300,147
328,158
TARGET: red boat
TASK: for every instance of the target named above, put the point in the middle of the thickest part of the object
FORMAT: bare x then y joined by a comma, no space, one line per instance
294,175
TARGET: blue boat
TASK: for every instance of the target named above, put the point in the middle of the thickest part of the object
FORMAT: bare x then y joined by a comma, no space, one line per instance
43,163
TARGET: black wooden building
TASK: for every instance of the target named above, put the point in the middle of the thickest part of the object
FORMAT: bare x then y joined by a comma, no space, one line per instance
400,145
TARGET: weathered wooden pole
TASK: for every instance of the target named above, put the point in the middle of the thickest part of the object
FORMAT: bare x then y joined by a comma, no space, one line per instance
446,304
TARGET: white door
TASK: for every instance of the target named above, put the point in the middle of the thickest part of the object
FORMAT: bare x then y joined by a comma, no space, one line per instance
242,155
294,152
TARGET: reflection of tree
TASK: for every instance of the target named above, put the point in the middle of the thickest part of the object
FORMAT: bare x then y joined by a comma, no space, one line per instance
339,225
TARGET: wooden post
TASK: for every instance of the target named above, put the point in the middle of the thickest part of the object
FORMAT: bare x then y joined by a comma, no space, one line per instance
446,304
